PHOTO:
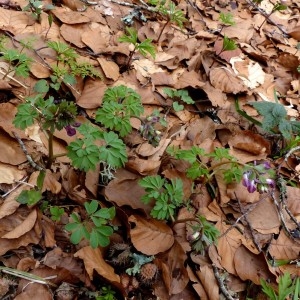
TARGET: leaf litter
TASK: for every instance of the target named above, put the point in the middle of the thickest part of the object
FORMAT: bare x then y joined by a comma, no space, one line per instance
258,239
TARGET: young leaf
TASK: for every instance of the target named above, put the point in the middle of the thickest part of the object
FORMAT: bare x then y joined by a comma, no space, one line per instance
146,47
25,116
227,19
177,106
228,44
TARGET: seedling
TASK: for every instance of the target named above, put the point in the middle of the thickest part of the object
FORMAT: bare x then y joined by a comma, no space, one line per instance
67,67
275,118
173,15
95,228
86,152
203,234
178,96
37,7
18,61
167,196
56,213
145,47
120,103
286,287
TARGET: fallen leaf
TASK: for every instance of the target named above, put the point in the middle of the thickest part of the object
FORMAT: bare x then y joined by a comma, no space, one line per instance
150,236
93,260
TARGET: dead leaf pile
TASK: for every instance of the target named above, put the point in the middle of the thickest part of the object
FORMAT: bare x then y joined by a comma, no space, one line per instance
252,237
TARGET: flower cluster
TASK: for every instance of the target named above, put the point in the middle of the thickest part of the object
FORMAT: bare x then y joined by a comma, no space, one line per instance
71,129
259,177
149,132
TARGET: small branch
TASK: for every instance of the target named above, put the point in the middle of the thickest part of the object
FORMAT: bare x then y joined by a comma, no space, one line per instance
29,158
267,16
245,213
13,79
221,284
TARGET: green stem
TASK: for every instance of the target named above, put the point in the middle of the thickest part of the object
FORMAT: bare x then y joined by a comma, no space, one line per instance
244,114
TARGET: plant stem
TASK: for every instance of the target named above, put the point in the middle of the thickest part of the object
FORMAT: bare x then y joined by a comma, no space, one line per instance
50,150
162,30
130,58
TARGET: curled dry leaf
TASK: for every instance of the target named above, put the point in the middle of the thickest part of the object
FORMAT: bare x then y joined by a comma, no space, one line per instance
93,260
150,236
226,81
23,227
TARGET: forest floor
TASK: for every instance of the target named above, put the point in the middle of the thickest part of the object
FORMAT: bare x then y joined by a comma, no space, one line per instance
180,123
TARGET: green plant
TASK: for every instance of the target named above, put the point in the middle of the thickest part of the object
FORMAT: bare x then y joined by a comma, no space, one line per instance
199,169
173,15
106,293
286,287
167,196
275,118
203,234
226,19
120,103
56,212
18,61
145,47
178,95
86,152
67,67
37,7
95,228
255,176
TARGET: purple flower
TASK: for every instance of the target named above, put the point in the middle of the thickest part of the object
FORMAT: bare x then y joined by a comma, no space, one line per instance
250,184
267,165
270,182
70,130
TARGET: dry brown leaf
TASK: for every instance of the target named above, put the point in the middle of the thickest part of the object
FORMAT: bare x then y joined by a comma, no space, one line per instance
35,291
226,81
10,204
9,174
22,228
72,33
175,275
284,248
92,94
69,17
51,183
150,236
124,190
258,220
295,33
93,260
209,282
110,68
13,21
227,245
100,43
251,266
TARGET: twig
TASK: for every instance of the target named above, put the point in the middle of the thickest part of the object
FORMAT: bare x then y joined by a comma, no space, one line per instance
15,187
267,16
221,284
248,223
13,79
29,158
28,276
